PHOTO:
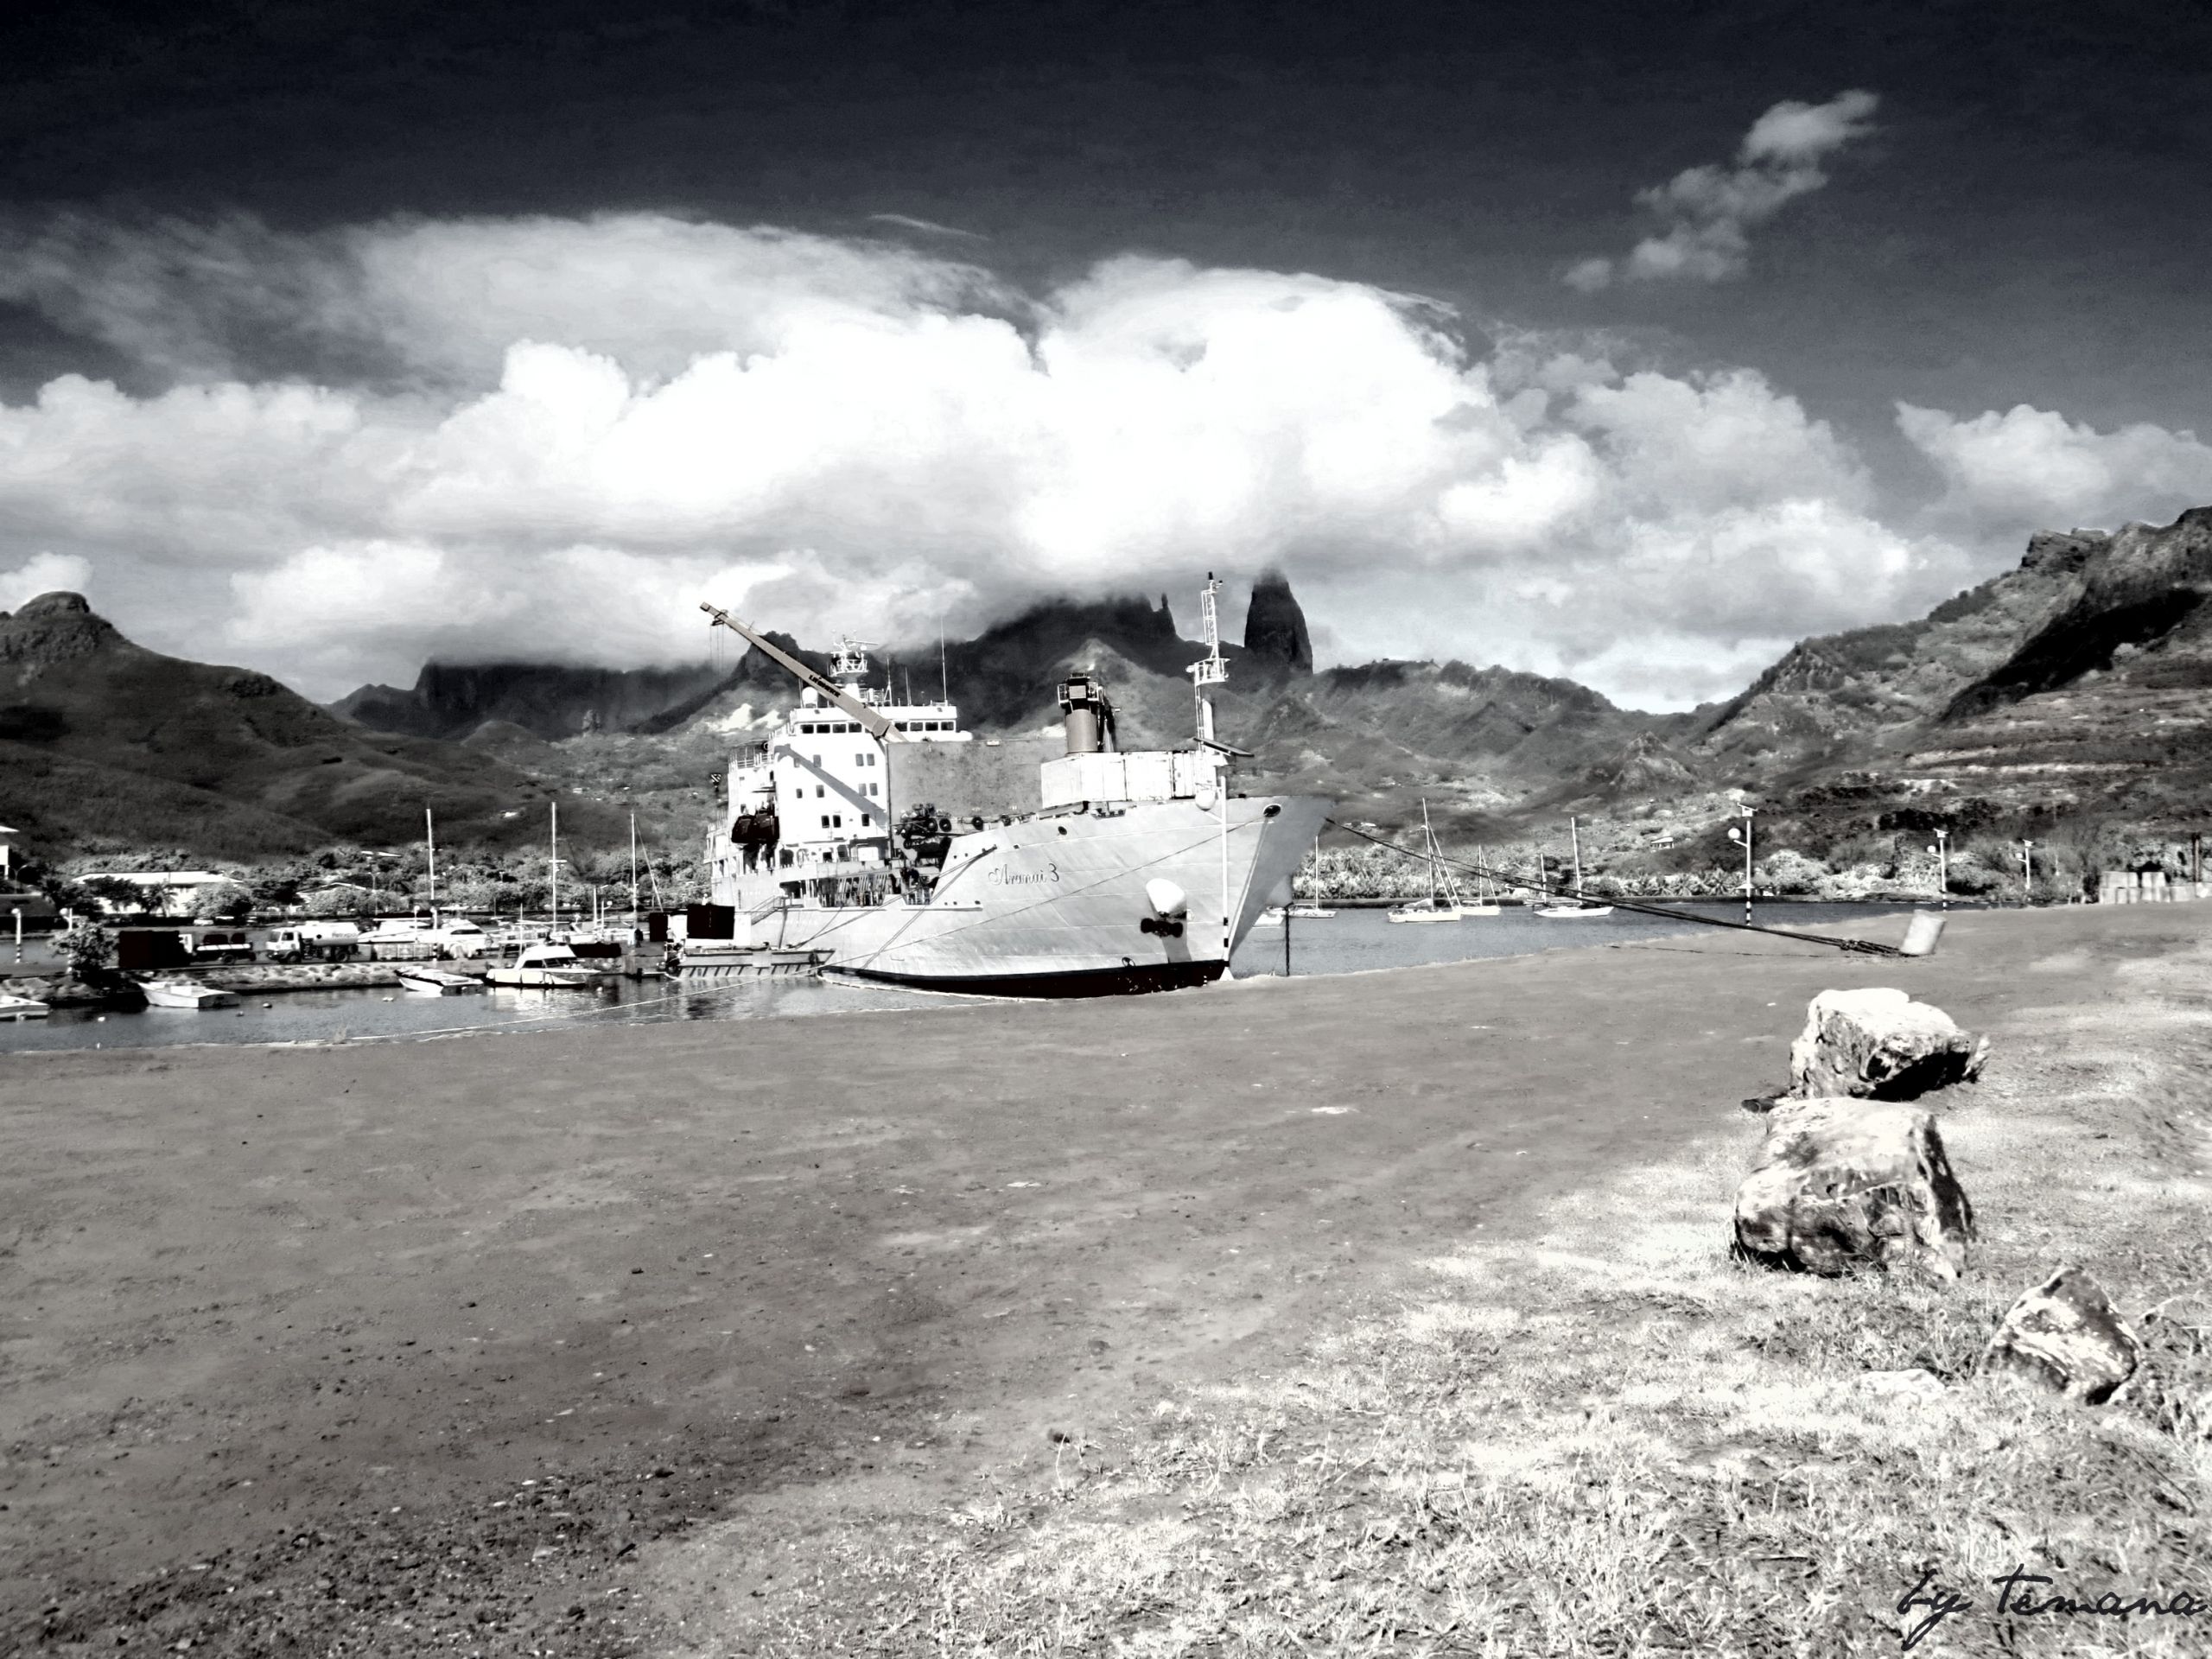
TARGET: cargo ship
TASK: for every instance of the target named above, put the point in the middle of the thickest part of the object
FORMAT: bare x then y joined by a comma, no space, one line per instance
856,832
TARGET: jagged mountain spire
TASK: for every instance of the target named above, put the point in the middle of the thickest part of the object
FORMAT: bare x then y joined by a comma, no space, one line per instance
1274,627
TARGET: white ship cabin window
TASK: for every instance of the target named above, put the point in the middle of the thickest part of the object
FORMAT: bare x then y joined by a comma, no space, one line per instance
818,791
866,820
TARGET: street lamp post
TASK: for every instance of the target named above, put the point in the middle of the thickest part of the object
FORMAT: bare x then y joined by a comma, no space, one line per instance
1942,852
1743,836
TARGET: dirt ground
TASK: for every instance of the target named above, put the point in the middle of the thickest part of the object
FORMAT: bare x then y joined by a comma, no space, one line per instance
396,1348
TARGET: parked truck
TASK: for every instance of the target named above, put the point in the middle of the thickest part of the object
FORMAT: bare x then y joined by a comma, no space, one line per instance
314,942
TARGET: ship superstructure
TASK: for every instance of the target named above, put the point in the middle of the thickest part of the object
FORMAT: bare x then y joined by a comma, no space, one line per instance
1122,871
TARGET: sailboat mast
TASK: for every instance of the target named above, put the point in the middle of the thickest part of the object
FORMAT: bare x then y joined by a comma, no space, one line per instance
555,863
430,840
633,872
1575,834
1428,835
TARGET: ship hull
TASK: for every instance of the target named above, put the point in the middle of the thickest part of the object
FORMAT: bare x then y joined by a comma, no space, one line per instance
1064,905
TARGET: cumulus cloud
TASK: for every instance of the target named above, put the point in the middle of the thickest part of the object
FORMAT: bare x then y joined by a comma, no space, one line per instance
565,433
2032,468
1708,212
44,573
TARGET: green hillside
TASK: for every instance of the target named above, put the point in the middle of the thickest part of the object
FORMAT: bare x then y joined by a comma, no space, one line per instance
104,742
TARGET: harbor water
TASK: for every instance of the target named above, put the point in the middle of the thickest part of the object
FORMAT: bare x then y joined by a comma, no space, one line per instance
1352,941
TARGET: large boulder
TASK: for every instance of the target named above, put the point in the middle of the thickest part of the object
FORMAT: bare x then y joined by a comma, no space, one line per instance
2066,1333
1879,1044
1841,1184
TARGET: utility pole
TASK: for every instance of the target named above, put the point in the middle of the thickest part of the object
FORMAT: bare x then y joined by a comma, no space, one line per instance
1744,835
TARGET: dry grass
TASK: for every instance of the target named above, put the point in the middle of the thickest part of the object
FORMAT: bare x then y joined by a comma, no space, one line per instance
1609,1439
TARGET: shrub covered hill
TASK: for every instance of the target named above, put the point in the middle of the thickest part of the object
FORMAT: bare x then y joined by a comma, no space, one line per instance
2073,692
105,743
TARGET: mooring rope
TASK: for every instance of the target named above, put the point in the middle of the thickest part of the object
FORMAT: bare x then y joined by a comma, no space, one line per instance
1861,947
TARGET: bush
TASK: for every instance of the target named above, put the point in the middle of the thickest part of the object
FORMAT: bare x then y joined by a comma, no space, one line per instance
1790,872
86,946
338,901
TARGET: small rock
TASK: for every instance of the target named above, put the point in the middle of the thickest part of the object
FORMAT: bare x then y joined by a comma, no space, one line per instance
1879,1044
1840,1183
1912,1382
2065,1332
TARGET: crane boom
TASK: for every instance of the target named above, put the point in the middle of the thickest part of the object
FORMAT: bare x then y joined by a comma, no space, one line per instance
874,723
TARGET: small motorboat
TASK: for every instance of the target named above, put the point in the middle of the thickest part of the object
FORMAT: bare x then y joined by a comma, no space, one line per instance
1271,917
185,994
1308,912
419,979
545,967
22,1008
698,959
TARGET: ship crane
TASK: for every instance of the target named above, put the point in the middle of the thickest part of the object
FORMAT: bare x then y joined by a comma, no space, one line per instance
872,721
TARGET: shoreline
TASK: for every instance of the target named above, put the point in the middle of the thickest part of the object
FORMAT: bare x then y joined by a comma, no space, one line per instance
316,1283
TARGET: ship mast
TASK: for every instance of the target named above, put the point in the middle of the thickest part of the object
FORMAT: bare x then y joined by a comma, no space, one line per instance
1213,670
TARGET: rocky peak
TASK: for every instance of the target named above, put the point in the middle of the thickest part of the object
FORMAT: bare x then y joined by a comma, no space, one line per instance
2057,550
52,628
1274,627
2135,587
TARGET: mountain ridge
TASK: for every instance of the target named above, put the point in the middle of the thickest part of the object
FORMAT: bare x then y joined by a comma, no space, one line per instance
2070,684
102,740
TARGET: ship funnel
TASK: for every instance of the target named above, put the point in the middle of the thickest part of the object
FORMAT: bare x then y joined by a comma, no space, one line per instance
1083,701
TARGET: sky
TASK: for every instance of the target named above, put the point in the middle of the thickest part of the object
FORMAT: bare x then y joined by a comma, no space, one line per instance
1631,344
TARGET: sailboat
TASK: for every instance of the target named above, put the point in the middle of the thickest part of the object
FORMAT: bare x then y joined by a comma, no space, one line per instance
1487,905
1294,908
1443,903
1306,909
1578,907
